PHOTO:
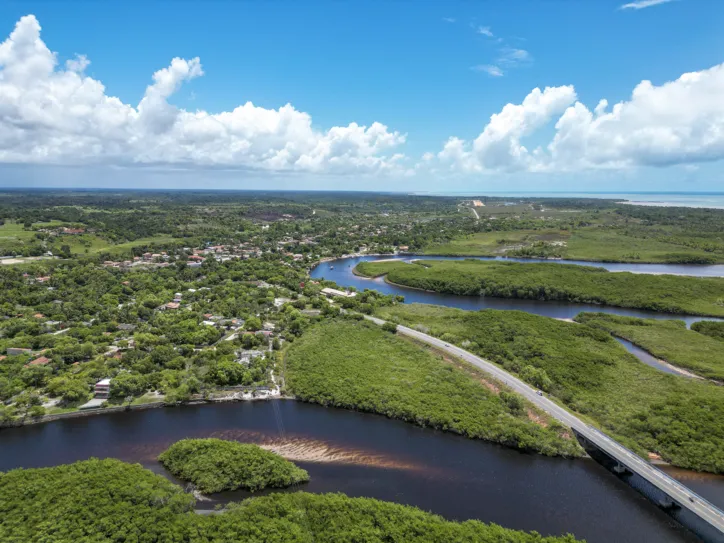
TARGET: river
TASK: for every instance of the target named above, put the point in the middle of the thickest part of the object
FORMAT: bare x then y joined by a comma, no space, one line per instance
368,455
340,271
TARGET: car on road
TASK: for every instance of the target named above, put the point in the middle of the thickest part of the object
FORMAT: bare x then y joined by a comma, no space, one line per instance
447,345
539,393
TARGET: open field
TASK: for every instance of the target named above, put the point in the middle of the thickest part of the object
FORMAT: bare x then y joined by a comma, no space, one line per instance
592,244
495,243
13,231
592,374
543,281
667,340
356,365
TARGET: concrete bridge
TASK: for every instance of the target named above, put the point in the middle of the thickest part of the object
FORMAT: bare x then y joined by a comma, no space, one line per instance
688,508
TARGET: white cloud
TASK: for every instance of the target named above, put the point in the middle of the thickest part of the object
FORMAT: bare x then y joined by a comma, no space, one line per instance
677,123
641,4
448,19
511,56
485,31
489,69
498,147
50,115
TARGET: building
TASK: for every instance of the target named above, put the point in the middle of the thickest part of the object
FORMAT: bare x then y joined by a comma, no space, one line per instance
102,388
332,292
15,351
171,305
40,361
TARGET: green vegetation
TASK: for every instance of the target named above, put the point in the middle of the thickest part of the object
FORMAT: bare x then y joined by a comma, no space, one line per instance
666,339
497,243
710,328
592,243
594,230
679,418
214,465
356,365
565,282
112,501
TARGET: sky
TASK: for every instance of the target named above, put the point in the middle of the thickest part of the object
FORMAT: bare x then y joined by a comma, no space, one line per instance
487,95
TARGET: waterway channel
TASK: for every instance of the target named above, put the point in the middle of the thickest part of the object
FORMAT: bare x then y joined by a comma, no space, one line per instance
340,271
368,455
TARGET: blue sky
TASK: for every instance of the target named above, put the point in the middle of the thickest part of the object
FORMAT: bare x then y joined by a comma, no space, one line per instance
420,69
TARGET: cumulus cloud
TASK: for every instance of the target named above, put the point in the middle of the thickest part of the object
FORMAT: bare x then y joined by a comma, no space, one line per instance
679,122
485,31
55,115
499,147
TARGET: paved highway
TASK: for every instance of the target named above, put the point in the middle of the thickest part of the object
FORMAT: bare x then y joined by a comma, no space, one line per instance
677,491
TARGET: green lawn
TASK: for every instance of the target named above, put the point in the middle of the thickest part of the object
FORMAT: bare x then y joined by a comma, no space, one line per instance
563,282
681,419
668,340
357,365
12,231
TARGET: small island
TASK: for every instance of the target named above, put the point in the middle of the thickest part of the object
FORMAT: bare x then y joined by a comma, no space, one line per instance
214,465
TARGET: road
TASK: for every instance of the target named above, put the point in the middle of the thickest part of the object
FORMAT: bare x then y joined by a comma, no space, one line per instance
677,491
475,213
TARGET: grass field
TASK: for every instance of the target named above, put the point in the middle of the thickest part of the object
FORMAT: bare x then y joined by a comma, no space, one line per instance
495,243
96,244
597,244
12,231
356,365
550,281
668,340
679,418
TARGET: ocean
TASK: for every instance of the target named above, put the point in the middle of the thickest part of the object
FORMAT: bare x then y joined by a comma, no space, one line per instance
714,200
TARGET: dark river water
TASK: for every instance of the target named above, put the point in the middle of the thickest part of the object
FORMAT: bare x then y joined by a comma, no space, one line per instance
368,455
340,271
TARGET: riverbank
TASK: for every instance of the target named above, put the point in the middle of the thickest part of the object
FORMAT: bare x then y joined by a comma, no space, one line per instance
381,373
370,455
587,370
671,342
26,421
556,282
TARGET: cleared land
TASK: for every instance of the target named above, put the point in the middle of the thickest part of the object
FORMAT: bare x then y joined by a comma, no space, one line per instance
356,365
592,374
597,244
667,340
570,283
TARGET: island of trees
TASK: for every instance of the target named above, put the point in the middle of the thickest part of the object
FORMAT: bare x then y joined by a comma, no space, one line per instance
213,465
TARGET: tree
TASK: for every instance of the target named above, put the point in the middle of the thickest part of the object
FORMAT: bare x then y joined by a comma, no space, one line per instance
253,324
69,390
128,384
65,251
390,327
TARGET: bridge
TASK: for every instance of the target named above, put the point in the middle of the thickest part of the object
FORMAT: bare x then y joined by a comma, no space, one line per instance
688,508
